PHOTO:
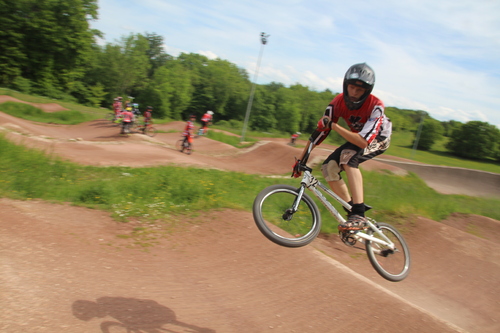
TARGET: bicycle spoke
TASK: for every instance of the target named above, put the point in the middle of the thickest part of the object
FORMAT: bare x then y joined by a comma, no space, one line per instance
392,264
276,219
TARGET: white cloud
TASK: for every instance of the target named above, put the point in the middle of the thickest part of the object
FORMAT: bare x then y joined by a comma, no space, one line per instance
209,54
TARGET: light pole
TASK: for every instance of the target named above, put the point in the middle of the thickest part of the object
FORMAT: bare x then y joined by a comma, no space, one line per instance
263,40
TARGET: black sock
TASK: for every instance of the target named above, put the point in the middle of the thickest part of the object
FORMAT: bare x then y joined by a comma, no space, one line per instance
358,209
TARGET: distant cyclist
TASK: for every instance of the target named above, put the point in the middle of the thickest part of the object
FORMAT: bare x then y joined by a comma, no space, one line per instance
294,138
148,118
188,130
135,109
127,120
205,121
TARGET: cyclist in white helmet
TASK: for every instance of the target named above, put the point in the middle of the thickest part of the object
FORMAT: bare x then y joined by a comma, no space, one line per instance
205,121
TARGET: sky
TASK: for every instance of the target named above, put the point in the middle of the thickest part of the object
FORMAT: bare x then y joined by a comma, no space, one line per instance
440,56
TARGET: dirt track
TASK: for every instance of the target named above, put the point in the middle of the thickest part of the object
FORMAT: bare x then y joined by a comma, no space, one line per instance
64,269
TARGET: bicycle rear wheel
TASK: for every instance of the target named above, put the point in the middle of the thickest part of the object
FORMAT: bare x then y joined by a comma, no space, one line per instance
272,212
392,265
188,148
110,116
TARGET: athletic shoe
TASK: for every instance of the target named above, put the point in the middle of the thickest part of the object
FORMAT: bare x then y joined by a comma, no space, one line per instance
354,223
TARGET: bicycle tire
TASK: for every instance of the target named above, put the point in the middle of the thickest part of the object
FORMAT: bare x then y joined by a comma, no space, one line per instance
391,265
271,215
189,148
137,128
150,131
179,145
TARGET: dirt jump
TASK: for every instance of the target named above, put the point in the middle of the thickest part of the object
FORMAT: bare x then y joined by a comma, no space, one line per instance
70,269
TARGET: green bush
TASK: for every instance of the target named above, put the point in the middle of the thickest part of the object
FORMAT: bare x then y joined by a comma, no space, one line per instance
21,84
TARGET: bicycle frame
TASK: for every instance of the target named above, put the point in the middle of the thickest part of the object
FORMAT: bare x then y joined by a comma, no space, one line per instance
316,187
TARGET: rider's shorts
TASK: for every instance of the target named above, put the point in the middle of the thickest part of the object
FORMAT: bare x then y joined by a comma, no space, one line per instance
352,155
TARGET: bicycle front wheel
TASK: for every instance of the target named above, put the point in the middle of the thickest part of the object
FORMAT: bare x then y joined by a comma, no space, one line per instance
150,131
272,212
179,145
392,265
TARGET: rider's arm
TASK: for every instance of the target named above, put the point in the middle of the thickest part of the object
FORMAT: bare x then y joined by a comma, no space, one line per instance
304,151
354,138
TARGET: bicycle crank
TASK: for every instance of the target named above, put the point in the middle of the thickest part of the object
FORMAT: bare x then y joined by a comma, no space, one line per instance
347,238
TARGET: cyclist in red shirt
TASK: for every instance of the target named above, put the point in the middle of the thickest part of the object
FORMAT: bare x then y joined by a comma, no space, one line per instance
148,120
127,120
294,138
369,136
188,130
205,121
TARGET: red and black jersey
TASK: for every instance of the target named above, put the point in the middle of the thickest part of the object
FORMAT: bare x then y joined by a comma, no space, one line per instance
189,127
369,120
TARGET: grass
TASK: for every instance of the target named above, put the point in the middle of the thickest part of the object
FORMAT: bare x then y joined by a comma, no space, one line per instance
230,140
158,193
29,112
40,99
401,146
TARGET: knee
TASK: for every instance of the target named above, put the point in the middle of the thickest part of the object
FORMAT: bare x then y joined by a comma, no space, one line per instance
331,171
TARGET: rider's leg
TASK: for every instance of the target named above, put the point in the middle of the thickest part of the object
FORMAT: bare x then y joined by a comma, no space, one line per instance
356,186
331,170
340,188
355,183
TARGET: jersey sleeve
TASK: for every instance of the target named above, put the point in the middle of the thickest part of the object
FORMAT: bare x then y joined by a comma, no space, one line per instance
373,126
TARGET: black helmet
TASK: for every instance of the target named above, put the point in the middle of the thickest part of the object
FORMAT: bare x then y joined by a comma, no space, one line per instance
360,75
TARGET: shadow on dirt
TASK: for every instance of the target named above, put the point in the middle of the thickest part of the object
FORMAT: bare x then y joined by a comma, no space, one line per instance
135,315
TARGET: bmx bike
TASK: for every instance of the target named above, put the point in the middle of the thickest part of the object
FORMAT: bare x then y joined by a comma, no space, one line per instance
289,217
148,129
185,145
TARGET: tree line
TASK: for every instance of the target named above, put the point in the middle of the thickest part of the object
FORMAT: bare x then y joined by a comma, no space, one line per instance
48,48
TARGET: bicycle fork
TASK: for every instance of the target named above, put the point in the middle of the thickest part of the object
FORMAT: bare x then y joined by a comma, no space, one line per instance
288,214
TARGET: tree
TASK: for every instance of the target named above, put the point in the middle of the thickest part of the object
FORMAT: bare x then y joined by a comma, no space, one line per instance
475,139
169,91
262,117
449,126
46,41
123,68
311,106
12,58
156,53
287,111
432,130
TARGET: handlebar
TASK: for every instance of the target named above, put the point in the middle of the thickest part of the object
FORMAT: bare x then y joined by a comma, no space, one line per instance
301,165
